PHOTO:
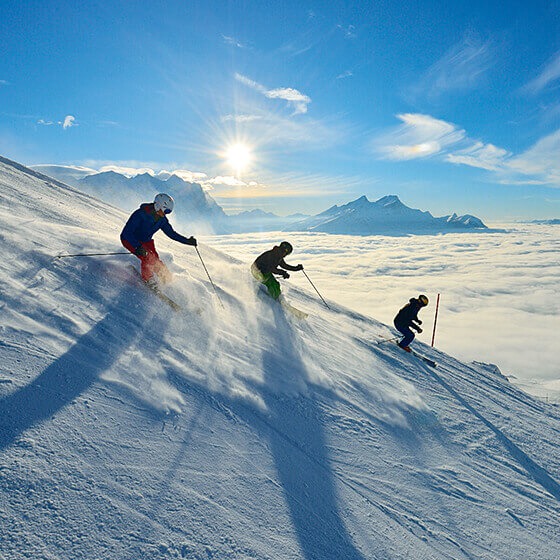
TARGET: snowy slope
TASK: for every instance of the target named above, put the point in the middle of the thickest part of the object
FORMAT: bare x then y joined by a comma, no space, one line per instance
237,432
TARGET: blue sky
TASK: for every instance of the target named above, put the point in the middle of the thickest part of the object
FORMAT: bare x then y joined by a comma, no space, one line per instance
295,106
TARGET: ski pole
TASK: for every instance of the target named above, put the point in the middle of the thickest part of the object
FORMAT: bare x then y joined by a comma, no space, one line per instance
207,274
435,321
388,340
315,288
90,255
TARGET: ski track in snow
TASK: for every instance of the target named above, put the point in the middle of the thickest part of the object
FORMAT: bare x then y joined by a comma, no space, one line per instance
130,431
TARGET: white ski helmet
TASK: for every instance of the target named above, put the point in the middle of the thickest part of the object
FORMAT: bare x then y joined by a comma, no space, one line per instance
164,202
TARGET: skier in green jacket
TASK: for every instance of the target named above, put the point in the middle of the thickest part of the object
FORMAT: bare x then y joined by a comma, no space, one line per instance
270,263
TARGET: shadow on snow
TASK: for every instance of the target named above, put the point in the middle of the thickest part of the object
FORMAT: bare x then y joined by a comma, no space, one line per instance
71,374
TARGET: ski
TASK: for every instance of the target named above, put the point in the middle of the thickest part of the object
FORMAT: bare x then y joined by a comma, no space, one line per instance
395,340
156,291
262,290
423,358
291,309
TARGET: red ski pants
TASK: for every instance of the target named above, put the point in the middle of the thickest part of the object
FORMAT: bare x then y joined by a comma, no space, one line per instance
150,262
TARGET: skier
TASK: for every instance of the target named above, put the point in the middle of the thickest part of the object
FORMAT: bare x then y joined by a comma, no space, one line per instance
137,233
270,263
407,318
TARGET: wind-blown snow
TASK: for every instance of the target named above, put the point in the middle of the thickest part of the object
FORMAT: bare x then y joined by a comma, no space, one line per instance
131,431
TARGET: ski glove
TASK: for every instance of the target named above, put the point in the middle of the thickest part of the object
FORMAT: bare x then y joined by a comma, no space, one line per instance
418,330
299,267
191,241
285,274
140,251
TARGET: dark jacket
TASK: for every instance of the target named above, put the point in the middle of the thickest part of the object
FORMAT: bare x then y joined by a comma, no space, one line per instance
270,261
144,222
408,315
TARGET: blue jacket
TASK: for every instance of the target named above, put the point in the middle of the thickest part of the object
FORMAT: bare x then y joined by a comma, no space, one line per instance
144,222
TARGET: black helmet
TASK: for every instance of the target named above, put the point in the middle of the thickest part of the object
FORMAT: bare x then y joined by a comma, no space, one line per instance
423,300
286,247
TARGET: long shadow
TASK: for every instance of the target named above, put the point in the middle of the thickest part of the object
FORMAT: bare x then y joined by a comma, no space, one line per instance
534,470
72,373
305,473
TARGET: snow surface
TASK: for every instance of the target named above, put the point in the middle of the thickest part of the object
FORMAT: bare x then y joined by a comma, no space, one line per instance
238,432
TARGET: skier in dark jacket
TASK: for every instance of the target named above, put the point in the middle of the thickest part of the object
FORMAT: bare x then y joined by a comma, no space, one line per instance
137,234
270,263
407,318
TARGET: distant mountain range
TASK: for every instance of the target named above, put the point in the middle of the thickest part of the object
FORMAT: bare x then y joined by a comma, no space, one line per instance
193,205
386,216
552,222
257,220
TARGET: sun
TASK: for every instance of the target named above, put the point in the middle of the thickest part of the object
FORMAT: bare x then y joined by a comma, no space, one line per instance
239,157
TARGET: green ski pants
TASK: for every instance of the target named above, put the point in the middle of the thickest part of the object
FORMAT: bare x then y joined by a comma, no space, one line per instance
268,280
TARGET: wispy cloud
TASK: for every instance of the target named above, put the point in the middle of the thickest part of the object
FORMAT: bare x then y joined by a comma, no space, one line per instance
226,180
541,161
461,68
295,98
4,83
419,136
538,165
548,75
68,122
348,30
483,156
234,42
346,74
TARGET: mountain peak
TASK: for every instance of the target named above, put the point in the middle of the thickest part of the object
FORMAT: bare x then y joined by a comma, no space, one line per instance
389,200
362,201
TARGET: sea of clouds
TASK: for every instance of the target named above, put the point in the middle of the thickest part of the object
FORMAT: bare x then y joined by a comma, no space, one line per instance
499,302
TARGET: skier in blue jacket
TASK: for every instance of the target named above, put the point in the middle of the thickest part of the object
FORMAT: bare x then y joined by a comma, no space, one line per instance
138,231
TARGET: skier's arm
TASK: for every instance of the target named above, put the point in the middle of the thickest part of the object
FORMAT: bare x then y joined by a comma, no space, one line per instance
172,234
284,264
280,272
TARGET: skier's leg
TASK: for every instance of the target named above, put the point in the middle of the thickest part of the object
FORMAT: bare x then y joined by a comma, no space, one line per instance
268,280
406,332
273,286
149,261
257,274
164,274
408,337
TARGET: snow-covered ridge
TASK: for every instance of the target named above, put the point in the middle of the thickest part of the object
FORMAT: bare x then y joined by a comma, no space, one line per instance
388,215
130,431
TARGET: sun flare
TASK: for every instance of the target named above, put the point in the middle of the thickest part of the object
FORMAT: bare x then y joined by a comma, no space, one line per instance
239,157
